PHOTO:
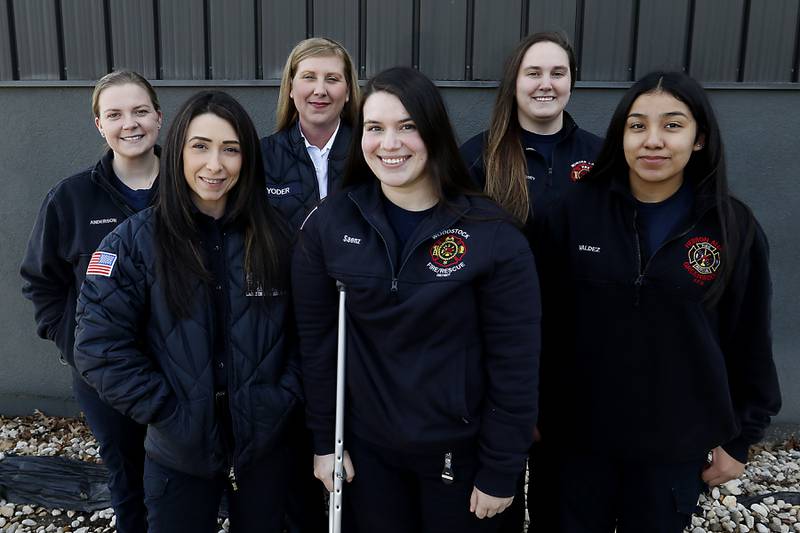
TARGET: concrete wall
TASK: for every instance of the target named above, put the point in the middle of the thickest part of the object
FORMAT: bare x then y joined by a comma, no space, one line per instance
48,133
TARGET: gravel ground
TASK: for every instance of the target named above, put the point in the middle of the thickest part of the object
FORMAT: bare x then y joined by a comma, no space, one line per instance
736,507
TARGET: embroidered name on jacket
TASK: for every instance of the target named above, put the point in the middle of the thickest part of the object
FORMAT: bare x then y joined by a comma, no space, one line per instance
101,264
447,252
279,191
580,169
97,221
588,248
351,240
703,259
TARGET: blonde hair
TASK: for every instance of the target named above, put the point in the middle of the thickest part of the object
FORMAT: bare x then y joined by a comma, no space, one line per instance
286,113
122,77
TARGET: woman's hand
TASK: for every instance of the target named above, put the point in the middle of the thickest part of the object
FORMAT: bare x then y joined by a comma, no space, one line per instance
485,506
722,469
323,469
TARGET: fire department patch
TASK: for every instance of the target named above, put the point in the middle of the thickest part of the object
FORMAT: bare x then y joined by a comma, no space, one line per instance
580,169
703,259
448,251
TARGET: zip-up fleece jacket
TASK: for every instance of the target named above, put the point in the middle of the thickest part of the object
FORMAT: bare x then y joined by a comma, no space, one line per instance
292,186
157,369
75,216
442,347
573,157
634,362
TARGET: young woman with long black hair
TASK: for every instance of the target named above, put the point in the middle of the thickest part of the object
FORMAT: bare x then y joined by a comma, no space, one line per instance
442,324
183,325
75,216
657,342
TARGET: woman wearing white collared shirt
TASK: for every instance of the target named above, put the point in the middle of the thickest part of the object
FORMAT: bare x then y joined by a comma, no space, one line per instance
317,106
303,163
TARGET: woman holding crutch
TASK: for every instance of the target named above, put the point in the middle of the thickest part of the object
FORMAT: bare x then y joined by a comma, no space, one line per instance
75,216
442,324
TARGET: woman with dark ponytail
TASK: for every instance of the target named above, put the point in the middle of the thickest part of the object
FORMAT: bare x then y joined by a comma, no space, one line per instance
657,359
183,325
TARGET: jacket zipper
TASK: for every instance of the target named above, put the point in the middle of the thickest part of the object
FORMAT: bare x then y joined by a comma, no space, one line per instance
113,193
231,452
393,288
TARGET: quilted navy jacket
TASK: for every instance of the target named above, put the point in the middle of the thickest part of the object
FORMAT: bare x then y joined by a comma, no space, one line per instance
292,186
157,369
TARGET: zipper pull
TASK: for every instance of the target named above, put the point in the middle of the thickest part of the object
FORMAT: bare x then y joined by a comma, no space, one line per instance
232,479
447,471
394,285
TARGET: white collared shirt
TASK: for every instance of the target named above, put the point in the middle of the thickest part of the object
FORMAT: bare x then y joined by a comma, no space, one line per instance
319,156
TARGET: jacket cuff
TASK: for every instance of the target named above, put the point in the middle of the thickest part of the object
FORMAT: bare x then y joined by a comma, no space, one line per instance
738,449
166,410
323,443
497,484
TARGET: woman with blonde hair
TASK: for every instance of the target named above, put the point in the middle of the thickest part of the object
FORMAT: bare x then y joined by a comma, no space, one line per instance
75,216
317,107
304,161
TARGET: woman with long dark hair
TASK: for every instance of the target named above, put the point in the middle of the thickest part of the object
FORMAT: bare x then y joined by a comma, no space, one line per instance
183,325
442,324
533,150
75,216
532,153
657,344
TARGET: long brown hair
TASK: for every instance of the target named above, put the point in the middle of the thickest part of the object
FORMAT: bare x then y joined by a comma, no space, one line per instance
505,165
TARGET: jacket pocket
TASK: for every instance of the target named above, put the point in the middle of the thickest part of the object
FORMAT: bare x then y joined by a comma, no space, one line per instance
186,426
271,406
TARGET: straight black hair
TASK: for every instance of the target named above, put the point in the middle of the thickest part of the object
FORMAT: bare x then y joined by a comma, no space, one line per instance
425,106
180,258
705,170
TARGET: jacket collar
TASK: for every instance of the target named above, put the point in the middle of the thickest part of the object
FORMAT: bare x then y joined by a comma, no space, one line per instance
341,143
368,199
103,173
703,200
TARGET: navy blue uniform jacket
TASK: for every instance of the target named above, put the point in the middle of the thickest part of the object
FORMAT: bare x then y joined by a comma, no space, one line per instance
573,157
635,362
75,216
292,186
442,347
157,369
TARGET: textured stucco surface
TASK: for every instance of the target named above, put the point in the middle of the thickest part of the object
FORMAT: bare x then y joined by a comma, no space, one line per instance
48,133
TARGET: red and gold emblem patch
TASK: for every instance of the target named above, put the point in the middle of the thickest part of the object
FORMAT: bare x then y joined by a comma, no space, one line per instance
448,250
703,259
580,169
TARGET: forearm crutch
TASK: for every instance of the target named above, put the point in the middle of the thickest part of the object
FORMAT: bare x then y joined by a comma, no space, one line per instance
339,474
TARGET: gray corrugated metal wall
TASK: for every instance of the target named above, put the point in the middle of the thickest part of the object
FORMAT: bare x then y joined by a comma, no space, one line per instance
460,40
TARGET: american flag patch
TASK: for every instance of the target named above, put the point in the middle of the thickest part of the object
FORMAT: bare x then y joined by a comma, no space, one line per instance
101,264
